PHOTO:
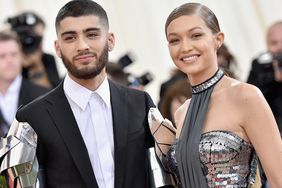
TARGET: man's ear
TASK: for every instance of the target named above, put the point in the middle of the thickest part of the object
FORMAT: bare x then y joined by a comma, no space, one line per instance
219,39
57,48
111,41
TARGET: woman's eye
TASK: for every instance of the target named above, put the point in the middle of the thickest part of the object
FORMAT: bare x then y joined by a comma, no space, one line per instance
196,35
173,41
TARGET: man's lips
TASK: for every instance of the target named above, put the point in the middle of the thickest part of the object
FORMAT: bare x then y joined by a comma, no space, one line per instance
84,58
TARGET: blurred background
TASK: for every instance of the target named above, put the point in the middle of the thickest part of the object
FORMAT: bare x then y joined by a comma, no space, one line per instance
139,30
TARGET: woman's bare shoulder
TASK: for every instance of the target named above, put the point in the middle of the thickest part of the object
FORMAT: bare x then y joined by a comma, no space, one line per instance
249,101
246,94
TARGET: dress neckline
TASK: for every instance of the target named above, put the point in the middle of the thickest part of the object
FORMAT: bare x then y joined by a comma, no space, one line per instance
227,133
208,83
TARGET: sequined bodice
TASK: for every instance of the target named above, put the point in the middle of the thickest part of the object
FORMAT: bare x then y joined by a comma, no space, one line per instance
227,160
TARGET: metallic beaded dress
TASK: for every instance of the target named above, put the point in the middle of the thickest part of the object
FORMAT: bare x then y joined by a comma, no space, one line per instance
213,159
227,160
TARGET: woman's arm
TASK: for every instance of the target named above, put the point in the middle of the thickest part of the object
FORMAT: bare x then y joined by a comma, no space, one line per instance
262,130
180,117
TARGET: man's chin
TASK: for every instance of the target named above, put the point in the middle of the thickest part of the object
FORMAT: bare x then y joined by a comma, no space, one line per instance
87,77
86,73
83,63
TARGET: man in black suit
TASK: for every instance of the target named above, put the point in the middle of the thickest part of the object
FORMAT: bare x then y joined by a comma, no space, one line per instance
14,90
91,131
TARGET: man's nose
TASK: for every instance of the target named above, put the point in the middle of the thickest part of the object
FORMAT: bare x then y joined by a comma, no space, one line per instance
82,45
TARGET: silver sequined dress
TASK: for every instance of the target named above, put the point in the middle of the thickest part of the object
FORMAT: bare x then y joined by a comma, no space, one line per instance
227,160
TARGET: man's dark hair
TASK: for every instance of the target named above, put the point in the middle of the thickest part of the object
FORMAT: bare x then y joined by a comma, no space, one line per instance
77,8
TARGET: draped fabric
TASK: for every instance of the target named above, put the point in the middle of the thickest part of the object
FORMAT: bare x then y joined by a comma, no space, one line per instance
187,151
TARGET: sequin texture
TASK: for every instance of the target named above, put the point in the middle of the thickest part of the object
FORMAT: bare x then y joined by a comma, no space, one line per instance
227,160
207,84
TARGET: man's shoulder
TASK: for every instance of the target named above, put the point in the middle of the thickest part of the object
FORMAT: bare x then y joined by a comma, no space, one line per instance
34,88
130,94
114,86
41,100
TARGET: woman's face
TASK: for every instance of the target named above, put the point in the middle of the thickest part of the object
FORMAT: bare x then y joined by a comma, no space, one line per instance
192,45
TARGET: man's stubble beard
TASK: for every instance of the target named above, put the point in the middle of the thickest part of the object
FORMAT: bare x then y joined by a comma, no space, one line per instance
87,72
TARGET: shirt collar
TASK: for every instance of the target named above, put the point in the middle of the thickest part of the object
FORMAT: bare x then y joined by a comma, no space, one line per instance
15,85
81,95
104,92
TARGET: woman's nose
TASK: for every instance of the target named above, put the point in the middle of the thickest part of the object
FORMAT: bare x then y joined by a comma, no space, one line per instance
186,45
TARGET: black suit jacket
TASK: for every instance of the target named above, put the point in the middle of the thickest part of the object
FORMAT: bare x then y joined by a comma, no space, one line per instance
61,151
28,92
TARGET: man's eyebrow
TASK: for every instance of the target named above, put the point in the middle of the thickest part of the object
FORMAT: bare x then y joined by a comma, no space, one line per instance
68,33
92,29
84,31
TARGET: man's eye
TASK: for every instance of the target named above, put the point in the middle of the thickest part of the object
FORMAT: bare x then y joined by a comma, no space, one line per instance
92,35
15,54
69,38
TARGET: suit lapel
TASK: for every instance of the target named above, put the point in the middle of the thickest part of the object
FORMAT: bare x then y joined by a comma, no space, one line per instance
23,96
68,128
120,128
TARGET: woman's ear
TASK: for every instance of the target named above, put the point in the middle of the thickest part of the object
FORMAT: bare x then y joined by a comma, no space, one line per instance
219,39
111,42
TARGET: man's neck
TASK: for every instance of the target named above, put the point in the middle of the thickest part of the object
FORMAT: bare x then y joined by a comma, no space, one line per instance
92,83
4,86
12,84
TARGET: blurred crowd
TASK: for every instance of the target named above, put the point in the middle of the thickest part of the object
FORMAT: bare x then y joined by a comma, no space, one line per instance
26,71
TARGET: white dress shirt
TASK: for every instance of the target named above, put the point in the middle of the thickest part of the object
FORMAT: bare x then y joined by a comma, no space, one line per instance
9,101
93,114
